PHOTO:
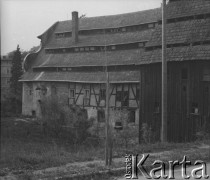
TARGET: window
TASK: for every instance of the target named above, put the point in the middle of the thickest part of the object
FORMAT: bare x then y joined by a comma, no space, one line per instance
87,97
113,47
72,96
151,25
92,48
101,115
30,92
87,93
119,96
137,93
76,49
44,91
131,116
86,101
184,74
103,94
123,97
206,74
33,113
38,93
63,69
64,50
194,108
86,49
72,93
81,49
141,44
103,48
123,29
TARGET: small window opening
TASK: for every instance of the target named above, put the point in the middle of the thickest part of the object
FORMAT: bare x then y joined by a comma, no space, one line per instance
72,93
132,117
113,47
123,29
87,97
103,94
151,25
141,44
86,49
33,113
195,108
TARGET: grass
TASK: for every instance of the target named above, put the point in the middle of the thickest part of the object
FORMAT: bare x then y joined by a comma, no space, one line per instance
17,154
24,147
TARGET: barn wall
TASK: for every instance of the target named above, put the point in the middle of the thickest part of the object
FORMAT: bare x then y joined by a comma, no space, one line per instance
183,93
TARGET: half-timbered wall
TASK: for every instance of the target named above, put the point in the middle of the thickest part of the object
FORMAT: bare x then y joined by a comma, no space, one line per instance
188,98
90,96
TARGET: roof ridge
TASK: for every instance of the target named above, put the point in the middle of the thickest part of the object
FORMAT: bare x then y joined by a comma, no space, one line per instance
112,15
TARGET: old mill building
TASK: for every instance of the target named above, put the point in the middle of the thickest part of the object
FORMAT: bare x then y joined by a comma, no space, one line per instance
73,55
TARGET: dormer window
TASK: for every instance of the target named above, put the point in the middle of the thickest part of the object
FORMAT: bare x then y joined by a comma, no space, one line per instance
76,49
87,49
103,48
151,25
141,44
113,47
123,29
60,35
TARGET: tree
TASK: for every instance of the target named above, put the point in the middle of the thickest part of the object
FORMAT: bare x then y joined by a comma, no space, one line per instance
15,85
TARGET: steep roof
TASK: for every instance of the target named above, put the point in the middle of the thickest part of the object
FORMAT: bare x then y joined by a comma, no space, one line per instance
83,77
101,39
186,53
111,21
182,32
122,57
176,9
188,36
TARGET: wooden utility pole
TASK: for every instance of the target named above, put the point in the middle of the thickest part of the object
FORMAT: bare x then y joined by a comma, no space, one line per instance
108,143
164,77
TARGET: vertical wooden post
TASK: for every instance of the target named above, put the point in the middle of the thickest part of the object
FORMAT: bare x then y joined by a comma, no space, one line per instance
108,144
164,77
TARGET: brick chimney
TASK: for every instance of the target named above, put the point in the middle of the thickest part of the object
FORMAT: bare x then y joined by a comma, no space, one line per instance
75,26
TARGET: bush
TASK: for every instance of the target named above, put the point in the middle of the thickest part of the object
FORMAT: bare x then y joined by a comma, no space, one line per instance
64,122
129,133
146,133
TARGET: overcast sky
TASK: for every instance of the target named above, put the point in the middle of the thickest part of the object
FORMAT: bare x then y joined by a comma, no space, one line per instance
23,20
